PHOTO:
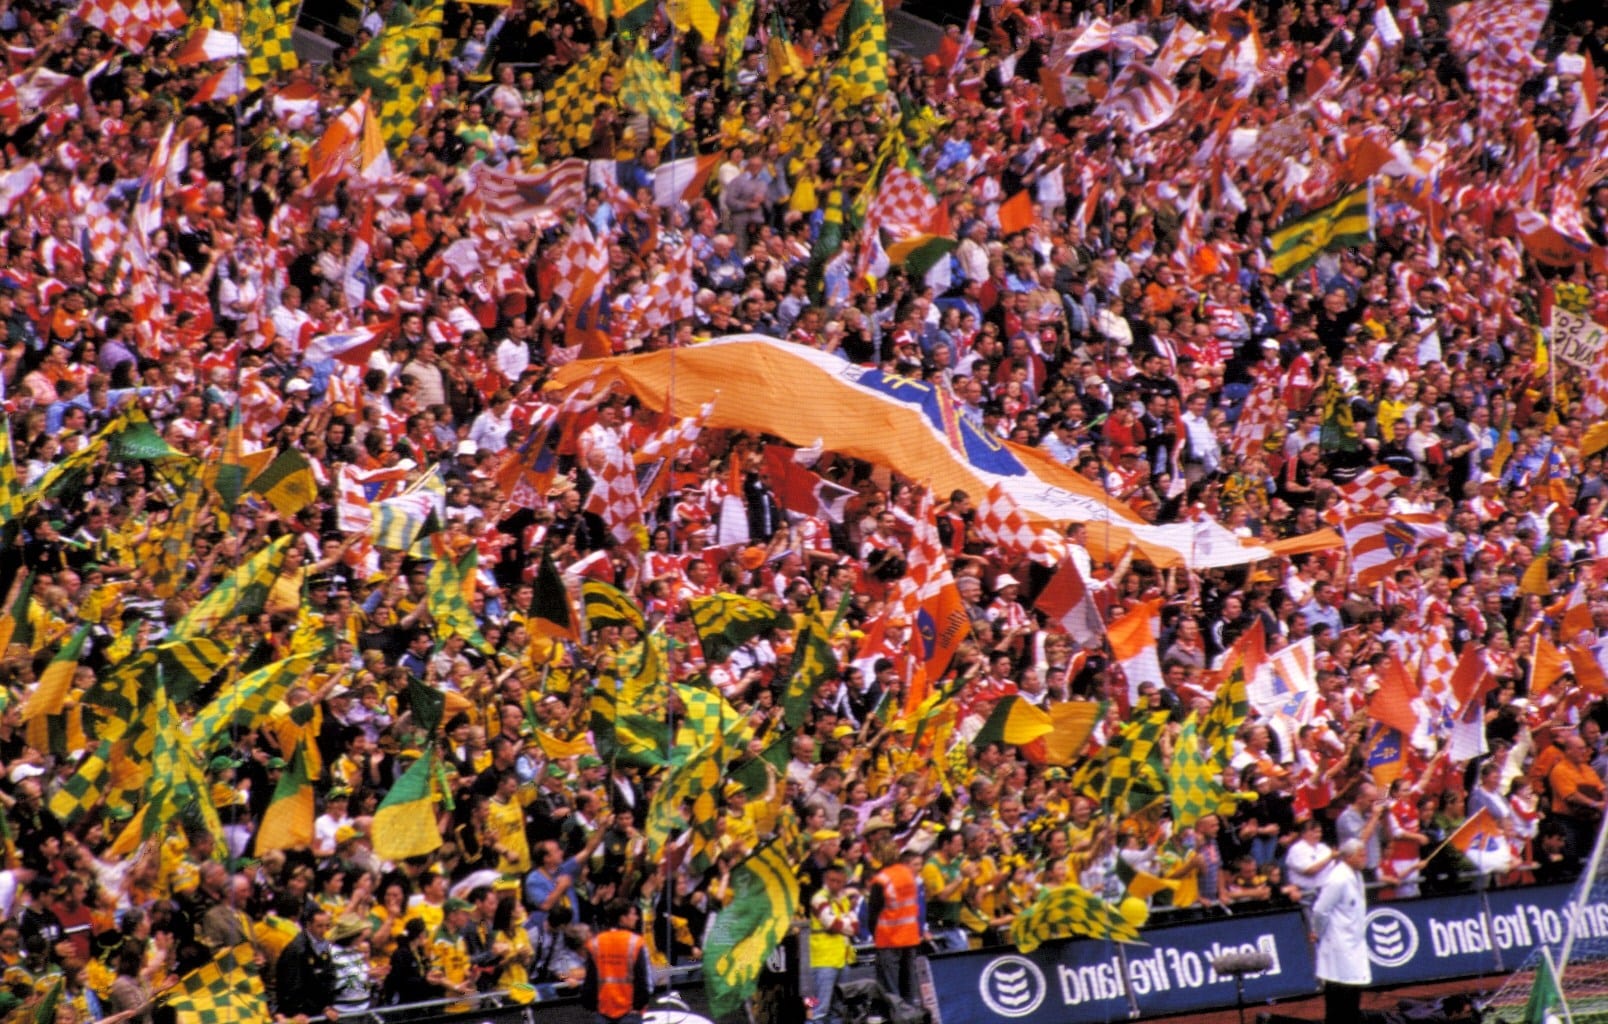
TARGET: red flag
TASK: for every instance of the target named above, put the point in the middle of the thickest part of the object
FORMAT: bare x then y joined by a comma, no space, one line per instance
1392,703
1468,679
1067,602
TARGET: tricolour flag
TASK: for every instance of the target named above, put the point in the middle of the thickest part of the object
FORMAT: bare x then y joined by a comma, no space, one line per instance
1346,221
1133,646
405,823
764,900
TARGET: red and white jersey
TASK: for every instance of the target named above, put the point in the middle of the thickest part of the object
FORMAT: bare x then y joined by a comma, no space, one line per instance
1403,815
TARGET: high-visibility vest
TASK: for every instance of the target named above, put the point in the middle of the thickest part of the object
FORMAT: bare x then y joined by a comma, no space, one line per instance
897,926
615,953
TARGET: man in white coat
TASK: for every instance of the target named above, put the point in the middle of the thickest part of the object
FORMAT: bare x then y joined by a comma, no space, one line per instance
1338,927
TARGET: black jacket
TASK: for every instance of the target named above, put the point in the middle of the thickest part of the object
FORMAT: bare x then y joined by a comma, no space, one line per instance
305,978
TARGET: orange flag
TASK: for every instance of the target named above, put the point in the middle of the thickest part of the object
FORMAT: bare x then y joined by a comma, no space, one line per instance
1016,213
1476,832
1547,667
1392,703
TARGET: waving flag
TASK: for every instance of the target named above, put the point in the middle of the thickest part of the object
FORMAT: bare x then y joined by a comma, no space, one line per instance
209,44
1065,599
542,197
1379,545
1140,98
353,347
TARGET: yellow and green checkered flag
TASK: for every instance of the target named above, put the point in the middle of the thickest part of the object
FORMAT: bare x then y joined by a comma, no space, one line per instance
247,701
1127,773
814,661
727,621
568,105
690,797
267,38
764,900
192,664
243,591
225,991
707,717
174,546
607,605
11,502
737,26
623,735
861,71
85,787
1227,712
397,64
1191,782
1065,911
647,87
451,583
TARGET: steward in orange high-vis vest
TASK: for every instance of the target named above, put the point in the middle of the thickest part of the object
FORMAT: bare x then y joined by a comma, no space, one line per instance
617,968
896,911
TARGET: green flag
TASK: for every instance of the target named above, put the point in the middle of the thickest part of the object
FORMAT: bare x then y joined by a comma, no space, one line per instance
814,662
764,900
1546,1003
1298,243
727,621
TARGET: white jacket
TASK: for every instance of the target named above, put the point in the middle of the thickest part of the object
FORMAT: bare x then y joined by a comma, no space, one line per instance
1339,918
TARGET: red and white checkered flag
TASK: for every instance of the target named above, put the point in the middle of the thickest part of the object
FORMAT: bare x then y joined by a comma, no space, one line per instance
1001,522
580,266
668,443
1496,39
614,497
133,22
1257,419
1372,488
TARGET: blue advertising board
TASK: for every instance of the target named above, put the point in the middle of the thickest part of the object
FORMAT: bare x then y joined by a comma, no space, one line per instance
1436,938
1085,980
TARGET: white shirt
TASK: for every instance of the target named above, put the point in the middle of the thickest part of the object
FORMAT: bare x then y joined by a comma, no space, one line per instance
1339,919
1301,857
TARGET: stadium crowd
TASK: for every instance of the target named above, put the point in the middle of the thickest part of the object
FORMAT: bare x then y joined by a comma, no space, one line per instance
209,263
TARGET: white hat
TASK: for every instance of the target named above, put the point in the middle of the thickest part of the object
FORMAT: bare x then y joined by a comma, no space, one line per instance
25,771
467,448
296,386
1004,580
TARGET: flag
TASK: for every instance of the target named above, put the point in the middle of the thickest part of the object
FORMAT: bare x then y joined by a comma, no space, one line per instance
396,66
225,991
932,602
1073,723
557,749
1471,681
1229,706
1192,785
764,900
727,621
242,591
1348,221
1143,884
542,197
646,87
246,702
623,732
1392,703
1000,521
451,582
1065,599
550,613
1069,910
133,22
1140,98
191,664
1384,752
221,86
405,822
569,103
12,503
801,490
607,605
1283,676
1546,1004
16,627
1371,488
1132,763
287,483
49,695
84,788
352,347
861,71
287,824
1133,646
1477,833
679,181
268,36
1016,213
688,799
1015,722
700,15
1379,545
814,662
206,45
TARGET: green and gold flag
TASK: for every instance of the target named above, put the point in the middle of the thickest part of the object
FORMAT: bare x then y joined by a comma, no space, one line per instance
550,613
395,67
1298,243
287,824
568,104
84,787
861,71
405,824
175,544
268,37
246,701
608,605
737,26
242,591
11,494
450,584
1126,774
727,621
1228,711
689,798
48,724
287,483
814,662
645,86
1191,782
627,708
1015,722
764,900
225,991
1065,911
191,665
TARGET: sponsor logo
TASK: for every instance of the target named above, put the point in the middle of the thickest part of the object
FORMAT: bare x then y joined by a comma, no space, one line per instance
1012,986
1392,938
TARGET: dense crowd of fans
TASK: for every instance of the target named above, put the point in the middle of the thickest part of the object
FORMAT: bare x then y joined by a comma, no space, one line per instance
1121,333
